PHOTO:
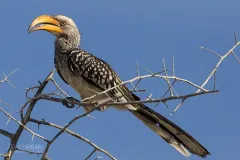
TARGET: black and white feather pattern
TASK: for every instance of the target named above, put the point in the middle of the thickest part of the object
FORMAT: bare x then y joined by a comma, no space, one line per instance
99,75
91,68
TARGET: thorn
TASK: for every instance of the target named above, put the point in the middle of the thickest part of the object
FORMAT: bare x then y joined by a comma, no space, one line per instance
208,50
178,106
9,118
6,79
157,73
236,57
173,67
137,69
139,90
78,107
33,137
149,97
91,116
138,82
135,89
235,38
215,79
148,70
40,83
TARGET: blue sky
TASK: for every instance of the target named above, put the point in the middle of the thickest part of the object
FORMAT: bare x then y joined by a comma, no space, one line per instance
124,33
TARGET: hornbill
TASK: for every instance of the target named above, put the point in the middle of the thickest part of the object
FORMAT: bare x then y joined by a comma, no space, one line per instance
89,75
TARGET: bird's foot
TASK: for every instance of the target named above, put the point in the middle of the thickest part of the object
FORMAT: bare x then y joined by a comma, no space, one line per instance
102,108
96,104
69,102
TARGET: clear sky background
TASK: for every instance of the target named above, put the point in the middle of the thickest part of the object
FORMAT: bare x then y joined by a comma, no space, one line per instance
123,33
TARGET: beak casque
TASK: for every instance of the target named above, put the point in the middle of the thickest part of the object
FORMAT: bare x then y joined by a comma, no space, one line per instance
47,23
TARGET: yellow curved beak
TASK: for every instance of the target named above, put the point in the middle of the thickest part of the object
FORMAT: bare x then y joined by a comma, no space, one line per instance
47,23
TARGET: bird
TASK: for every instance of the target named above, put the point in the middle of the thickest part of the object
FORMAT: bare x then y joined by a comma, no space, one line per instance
88,75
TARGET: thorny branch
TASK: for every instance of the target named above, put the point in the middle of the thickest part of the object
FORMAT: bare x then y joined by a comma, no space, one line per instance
231,51
163,100
214,71
7,76
23,126
29,152
30,104
25,119
44,156
59,95
71,133
6,133
148,76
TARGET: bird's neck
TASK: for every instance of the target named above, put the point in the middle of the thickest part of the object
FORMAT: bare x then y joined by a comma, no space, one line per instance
66,43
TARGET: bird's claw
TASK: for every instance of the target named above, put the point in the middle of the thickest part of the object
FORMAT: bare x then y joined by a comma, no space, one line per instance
69,102
102,108
96,104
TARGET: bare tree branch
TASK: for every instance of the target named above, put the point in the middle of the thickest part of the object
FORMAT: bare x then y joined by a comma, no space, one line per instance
167,80
236,57
90,154
163,100
6,104
148,76
29,152
73,134
6,133
59,88
208,50
66,126
22,126
218,64
6,78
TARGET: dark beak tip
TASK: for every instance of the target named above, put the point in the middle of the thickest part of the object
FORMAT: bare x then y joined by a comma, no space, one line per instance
29,30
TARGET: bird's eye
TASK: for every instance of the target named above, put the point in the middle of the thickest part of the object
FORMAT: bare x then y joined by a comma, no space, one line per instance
62,23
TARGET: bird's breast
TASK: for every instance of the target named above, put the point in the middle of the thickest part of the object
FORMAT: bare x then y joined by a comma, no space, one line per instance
76,82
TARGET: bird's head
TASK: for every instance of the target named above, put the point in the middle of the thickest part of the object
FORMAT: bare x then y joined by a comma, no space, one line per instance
64,28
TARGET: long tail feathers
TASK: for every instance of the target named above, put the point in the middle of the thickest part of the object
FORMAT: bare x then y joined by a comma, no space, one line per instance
170,132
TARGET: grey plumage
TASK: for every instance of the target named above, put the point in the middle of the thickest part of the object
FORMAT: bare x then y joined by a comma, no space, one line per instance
89,75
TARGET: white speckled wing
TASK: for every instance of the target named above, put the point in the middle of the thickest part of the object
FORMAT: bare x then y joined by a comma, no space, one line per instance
98,73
